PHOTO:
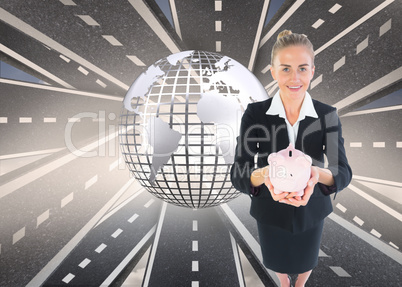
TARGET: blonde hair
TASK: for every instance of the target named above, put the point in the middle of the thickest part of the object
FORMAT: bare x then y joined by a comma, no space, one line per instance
286,38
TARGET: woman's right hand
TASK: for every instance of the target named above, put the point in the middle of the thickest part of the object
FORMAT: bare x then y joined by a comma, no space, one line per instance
268,183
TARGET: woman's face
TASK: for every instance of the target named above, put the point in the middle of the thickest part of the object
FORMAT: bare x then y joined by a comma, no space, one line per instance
293,69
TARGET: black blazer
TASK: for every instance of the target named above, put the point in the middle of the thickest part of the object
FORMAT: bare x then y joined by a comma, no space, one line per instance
262,134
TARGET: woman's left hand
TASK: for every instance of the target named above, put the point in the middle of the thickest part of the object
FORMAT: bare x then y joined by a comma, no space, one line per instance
294,199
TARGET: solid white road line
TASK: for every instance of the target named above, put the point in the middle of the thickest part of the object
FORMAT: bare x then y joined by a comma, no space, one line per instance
278,24
354,25
376,180
61,90
370,89
154,246
31,176
108,281
32,153
237,261
258,35
154,24
17,23
372,111
249,239
376,202
32,65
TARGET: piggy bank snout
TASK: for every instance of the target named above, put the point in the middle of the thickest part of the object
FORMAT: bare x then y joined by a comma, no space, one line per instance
290,170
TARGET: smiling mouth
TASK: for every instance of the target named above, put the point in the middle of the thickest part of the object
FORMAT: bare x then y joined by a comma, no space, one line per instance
294,87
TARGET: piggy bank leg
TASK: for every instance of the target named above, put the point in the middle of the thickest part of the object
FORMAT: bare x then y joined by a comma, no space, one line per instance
277,191
300,193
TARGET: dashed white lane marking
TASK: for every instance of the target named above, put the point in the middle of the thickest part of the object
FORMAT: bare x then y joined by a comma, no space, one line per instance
195,266
339,63
385,27
218,46
117,233
378,144
195,225
355,144
84,263
322,254
362,45
100,248
132,218
49,120
91,181
375,233
100,83
68,278
136,60
65,58
218,5
399,144
88,20
25,120
358,220
195,245
123,264
393,245
317,23
19,235
112,40
42,218
218,26
195,283
82,70
340,271
317,81
68,2
364,235
67,200
74,120
341,207
335,8
3,120
149,203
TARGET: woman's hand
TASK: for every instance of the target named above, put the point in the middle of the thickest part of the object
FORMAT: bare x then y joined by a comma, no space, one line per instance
276,197
293,199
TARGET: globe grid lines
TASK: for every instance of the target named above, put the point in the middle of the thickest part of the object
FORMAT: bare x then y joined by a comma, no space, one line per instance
195,175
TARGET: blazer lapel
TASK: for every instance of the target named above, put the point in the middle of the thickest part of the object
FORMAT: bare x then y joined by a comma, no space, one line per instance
278,132
306,127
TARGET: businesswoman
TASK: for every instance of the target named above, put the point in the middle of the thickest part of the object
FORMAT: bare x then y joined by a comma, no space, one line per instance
290,226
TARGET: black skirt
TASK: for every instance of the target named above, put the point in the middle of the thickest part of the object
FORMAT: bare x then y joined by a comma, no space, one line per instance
285,252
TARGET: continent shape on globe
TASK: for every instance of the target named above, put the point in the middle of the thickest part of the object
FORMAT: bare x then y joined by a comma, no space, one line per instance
186,111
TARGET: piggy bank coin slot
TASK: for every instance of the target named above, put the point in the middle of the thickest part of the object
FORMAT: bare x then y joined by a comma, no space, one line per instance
290,153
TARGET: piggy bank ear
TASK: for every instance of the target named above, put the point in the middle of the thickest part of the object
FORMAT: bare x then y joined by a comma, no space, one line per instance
275,158
304,160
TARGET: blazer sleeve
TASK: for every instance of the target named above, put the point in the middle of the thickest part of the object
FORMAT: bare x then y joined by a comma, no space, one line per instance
336,155
246,149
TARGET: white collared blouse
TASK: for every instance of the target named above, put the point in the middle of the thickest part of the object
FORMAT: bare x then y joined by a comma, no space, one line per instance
307,109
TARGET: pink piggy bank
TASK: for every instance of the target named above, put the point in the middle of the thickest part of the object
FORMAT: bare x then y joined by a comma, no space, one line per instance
289,170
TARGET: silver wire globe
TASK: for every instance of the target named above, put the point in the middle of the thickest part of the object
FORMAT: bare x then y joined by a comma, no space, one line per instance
179,125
